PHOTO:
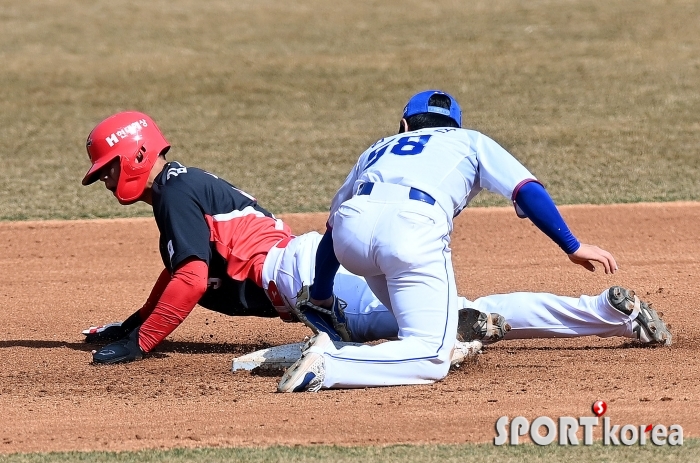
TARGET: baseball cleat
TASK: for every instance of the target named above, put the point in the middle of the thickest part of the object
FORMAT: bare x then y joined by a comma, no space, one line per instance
647,325
307,373
474,325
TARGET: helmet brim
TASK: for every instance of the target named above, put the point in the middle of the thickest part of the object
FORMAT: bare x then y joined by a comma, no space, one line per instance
92,174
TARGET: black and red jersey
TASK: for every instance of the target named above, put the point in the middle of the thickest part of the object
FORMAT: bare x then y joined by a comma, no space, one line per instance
202,216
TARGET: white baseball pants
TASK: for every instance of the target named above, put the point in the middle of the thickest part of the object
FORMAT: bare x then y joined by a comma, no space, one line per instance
532,315
401,247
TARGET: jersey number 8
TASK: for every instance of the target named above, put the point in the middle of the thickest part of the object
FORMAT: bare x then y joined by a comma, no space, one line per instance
404,146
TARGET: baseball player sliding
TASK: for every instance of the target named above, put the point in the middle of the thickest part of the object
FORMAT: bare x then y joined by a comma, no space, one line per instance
391,222
222,250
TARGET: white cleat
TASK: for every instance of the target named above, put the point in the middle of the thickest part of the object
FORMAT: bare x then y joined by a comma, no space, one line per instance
307,373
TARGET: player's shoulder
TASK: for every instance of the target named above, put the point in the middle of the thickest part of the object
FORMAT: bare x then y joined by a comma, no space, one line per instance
472,136
457,132
177,175
177,180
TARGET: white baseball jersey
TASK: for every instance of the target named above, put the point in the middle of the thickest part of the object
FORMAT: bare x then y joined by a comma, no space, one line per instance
451,165
391,222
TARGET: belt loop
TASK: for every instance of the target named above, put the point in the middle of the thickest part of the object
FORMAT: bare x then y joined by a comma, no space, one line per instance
365,188
413,193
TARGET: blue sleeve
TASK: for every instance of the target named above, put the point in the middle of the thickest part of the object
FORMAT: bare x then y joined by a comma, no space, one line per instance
538,206
326,267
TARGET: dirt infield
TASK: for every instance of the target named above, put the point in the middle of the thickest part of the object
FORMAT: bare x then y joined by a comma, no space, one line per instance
60,277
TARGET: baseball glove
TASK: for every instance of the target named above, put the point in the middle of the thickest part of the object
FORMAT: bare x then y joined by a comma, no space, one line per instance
112,331
331,321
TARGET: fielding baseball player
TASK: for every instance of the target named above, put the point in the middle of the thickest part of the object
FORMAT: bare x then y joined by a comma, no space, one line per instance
391,223
223,251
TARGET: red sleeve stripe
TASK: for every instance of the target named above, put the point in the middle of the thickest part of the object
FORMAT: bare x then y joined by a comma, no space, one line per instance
519,211
520,185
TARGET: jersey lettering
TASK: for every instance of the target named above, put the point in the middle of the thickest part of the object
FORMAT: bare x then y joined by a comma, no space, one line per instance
376,154
409,146
404,146
175,171
171,250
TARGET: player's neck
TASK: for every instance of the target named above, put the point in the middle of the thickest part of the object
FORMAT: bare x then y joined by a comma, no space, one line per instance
147,196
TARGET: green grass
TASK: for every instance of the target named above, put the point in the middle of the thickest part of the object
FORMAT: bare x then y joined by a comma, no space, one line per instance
599,99
483,453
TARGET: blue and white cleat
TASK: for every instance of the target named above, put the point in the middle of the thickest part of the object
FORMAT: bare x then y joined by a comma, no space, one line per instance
307,373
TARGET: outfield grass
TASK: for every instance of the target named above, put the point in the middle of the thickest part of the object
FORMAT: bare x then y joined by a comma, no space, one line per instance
483,453
598,98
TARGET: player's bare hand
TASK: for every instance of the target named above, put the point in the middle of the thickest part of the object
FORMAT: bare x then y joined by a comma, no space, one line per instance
587,254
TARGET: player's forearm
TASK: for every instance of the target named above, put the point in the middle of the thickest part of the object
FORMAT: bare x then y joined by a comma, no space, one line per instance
536,203
327,266
156,292
183,291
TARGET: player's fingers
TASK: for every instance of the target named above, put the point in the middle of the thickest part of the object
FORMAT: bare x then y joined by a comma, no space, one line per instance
613,264
598,255
588,265
592,254
583,262
608,261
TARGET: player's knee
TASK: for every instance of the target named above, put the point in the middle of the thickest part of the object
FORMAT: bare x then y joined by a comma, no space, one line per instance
438,370
438,365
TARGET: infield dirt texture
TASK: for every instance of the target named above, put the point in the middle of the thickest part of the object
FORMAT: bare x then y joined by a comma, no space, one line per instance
186,395
599,99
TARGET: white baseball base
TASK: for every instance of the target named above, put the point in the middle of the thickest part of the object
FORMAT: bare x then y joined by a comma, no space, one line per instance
280,357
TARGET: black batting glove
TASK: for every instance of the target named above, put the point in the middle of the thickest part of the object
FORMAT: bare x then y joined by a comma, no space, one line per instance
122,351
112,331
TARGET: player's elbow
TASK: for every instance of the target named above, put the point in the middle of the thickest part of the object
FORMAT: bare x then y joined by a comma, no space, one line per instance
193,275
198,286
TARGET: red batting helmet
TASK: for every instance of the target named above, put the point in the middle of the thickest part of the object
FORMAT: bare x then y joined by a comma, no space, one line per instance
135,139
